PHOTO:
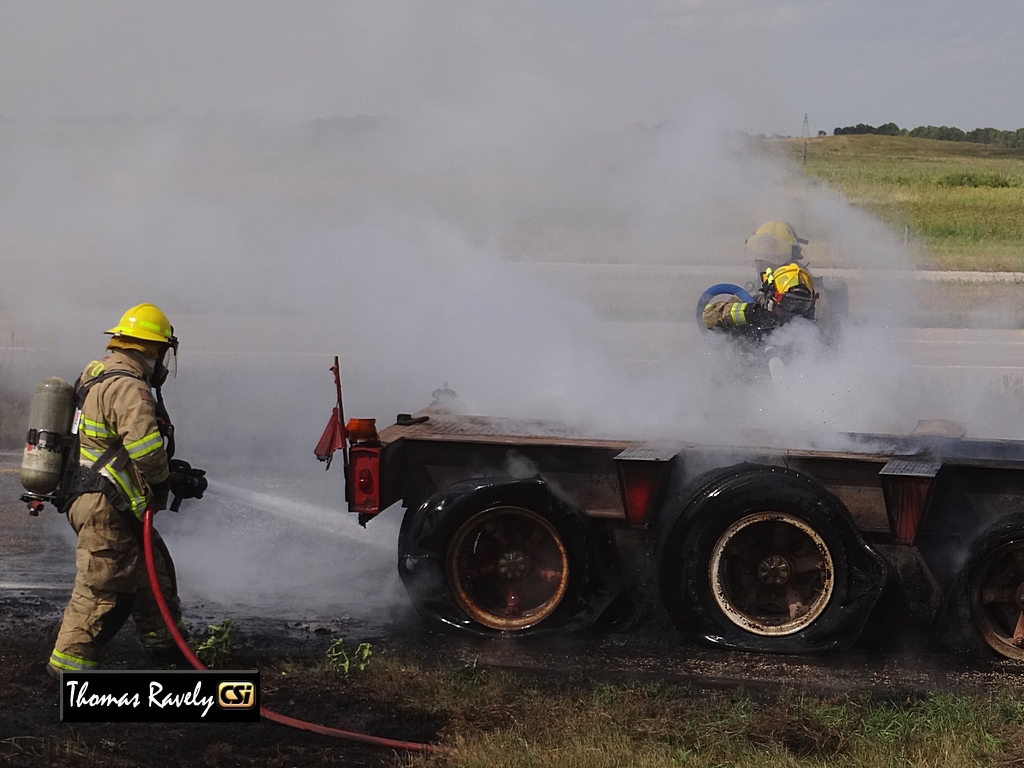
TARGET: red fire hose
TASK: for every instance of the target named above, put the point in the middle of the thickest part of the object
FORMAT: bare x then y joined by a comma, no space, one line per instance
362,738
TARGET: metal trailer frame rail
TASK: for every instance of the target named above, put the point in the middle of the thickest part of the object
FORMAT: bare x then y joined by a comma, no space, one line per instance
524,526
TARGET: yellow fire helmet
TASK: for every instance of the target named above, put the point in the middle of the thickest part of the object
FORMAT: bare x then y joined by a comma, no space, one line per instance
780,229
147,322
775,241
792,288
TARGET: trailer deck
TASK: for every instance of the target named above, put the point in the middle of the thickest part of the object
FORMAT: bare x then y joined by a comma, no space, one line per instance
517,525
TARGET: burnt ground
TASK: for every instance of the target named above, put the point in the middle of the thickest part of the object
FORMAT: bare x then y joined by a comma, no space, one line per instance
36,574
31,734
36,567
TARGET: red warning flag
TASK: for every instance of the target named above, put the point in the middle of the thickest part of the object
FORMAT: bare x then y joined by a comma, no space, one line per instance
333,439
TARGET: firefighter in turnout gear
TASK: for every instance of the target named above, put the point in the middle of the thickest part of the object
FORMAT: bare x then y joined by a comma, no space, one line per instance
124,443
786,293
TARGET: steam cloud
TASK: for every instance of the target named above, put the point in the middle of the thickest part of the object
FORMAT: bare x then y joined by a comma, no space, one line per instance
405,185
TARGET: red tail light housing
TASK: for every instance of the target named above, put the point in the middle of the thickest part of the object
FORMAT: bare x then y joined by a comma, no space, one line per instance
363,481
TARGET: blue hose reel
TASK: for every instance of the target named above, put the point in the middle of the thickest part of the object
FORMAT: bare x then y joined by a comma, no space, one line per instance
719,289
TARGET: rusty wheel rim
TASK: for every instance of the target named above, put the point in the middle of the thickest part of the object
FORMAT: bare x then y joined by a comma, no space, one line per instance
771,574
997,600
508,568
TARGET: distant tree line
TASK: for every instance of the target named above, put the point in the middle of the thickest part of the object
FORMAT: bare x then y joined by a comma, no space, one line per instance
940,132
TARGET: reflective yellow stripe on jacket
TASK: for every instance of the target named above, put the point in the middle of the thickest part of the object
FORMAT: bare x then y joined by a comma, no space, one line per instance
145,446
132,493
738,313
95,429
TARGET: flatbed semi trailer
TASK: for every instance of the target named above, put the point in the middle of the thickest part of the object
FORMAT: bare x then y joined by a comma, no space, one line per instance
523,527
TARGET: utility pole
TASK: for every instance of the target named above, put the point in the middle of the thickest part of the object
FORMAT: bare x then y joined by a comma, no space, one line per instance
805,134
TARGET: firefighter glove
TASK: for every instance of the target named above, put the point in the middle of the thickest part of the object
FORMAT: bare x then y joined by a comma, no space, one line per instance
761,317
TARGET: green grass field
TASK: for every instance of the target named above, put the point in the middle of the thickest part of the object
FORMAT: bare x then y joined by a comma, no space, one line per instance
963,202
495,719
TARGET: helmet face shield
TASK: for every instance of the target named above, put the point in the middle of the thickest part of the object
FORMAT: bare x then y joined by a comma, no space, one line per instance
797,302
172,366
165,367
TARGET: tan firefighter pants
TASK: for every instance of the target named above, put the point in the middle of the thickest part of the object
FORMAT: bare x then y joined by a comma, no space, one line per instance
111,585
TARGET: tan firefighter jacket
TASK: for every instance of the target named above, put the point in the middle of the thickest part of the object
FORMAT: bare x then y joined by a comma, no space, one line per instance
122,410
741,318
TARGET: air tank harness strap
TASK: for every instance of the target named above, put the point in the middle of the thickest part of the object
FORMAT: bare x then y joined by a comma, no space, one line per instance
83,480
163,419
79,480
82,389
163,422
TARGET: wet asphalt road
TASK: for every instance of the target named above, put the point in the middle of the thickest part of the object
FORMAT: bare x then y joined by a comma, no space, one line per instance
293,571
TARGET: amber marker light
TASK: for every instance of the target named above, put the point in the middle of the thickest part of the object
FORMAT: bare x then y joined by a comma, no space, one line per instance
362,431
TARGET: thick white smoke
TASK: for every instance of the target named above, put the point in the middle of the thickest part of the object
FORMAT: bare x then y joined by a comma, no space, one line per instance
410,186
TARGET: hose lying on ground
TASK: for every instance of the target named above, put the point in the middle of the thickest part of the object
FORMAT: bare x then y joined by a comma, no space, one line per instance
362,738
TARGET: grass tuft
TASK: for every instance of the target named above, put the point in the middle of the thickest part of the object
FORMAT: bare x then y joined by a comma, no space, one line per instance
976,179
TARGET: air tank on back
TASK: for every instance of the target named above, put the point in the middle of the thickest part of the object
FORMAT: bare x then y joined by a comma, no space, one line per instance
49,435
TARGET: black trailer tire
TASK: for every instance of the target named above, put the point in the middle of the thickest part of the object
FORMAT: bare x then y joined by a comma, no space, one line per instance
498,556
763,558
994,580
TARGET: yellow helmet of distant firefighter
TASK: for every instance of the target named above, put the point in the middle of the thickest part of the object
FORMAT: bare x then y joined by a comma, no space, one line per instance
146,322
775,241
791,287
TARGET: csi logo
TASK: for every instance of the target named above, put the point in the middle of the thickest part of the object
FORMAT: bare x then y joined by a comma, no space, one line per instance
236,695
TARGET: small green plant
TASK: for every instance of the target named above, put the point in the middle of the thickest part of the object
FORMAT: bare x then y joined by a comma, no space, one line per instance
340,661
214,650
469,675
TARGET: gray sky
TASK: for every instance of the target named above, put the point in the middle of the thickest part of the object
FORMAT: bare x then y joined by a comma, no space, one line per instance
765,63
510,132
